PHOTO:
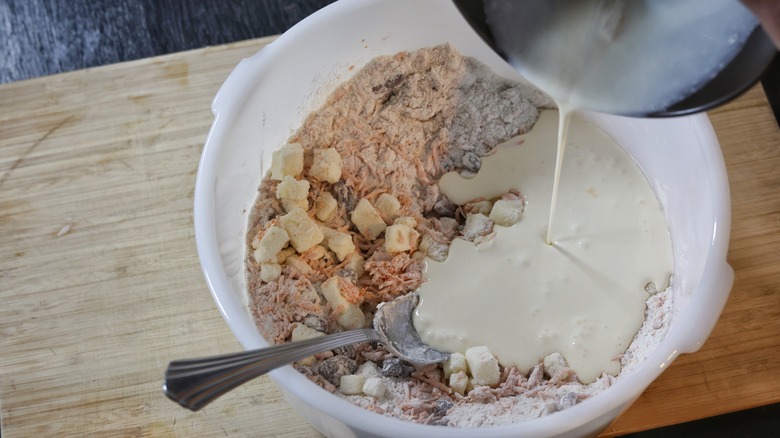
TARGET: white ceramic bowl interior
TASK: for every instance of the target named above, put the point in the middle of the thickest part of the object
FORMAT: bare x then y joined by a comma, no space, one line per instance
266,98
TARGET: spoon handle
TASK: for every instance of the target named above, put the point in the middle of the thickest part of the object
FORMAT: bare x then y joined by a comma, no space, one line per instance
194,383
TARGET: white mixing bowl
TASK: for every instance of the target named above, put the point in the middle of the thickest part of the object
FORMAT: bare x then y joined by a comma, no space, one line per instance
266,98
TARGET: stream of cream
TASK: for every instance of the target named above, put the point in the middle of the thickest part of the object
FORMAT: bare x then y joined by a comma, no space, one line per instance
565,113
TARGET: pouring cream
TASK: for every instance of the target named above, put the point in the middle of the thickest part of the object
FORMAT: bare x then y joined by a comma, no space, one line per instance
619,57
570,277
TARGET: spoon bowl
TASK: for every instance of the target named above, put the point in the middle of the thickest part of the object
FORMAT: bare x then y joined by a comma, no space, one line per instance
194,383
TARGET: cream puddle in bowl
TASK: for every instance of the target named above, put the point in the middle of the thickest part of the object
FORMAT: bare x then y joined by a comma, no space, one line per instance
583,295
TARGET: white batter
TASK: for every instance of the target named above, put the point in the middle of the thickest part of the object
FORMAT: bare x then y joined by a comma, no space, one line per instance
582,296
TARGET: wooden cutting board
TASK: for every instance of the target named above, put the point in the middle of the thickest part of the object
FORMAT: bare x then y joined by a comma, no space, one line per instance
101,285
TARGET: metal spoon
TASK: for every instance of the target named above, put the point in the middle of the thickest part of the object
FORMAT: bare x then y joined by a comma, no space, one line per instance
194,383
509,26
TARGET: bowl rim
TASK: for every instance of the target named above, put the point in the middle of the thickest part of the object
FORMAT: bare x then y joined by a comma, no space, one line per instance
717,275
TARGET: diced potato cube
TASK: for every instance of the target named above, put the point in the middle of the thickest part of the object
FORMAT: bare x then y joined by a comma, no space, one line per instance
341,243
487,239
553,364
331,290
283,254
476,225
327,233
287,161
325,206
388,206
316,252
369,369
482,207
270,272
348,315
483,366
449,227
455,363
507,212
433,248
274,239
374,387
458,382
406,220
356,264
351,318
471,384
367,220
301,333
400,238
291,204
303,230
293,193
352,384
326,165
307,361
291,188
297,263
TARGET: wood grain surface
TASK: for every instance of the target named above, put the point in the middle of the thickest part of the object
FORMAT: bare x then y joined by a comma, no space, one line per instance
739,365
101,285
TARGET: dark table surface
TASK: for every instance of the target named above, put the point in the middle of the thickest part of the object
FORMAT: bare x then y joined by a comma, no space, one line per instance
44,37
